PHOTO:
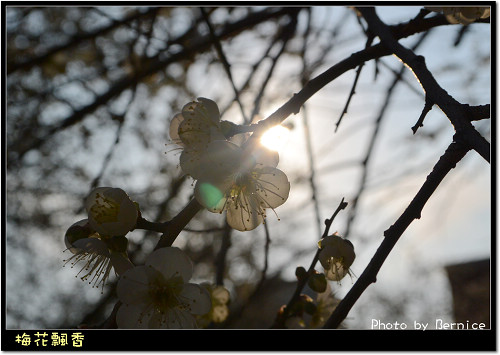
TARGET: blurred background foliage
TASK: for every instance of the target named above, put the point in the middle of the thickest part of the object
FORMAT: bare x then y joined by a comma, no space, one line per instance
90,92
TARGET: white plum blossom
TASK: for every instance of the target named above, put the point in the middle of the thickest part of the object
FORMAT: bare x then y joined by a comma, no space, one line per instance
336,256
158,295
243,181
111,211
99,254
197,125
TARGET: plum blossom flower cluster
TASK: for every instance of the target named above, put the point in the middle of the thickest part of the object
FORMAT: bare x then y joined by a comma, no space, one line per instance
157,294
99,240
242,180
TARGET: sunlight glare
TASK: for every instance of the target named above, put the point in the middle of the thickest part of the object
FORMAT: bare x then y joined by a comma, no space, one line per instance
275,137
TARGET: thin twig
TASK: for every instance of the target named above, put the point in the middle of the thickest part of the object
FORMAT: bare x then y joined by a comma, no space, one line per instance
353,88
282,315
223,59
220,261
373,140
285,35
310,158
420,122
266,263
307,134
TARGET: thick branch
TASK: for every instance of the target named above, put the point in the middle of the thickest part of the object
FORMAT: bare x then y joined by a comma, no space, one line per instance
433,91
446,163
294,104
177,224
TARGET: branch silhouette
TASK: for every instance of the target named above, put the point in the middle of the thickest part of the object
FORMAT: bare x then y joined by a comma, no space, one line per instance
454,110
446,163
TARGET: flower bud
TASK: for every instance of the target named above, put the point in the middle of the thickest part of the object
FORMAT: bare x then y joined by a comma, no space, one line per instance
317,282
78,230
300,272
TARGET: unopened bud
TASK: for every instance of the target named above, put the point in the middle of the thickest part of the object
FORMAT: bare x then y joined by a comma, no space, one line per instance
300,272
317,282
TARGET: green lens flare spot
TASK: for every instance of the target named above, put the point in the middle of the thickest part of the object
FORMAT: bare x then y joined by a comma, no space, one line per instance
210,194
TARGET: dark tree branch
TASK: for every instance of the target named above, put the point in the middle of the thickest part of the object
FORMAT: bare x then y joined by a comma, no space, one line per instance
477,113
177,224
293,105
420,122
446,163
434,92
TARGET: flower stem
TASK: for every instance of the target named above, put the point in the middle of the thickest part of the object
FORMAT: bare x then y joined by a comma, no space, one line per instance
177,224
151,226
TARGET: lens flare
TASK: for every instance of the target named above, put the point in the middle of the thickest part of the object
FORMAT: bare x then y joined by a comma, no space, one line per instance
210,194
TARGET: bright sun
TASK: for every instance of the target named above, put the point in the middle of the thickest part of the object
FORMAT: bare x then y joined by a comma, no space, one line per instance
275,137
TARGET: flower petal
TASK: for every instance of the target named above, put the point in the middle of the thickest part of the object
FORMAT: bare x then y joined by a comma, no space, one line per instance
264,156
222,158
243,219
76,231
91,199
194,133
174,129
120,262
211,195
123,215
212,110
336,271
133,316
272,186
179,319
133,286
197,298
190,162
171,261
